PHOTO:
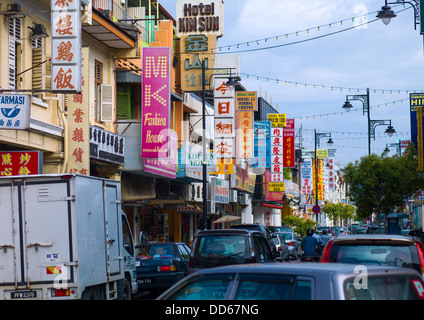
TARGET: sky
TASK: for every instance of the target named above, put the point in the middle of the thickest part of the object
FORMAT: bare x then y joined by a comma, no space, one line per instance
314,75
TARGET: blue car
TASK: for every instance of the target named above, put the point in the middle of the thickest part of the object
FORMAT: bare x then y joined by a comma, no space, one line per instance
160,265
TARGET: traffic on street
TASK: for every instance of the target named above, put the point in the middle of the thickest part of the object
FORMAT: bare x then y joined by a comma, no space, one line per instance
160,151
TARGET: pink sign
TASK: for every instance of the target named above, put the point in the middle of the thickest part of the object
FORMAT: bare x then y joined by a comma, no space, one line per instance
272,196
156,101
165,167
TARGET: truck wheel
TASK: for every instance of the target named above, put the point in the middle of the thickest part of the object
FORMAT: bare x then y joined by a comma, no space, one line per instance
124,290
91,293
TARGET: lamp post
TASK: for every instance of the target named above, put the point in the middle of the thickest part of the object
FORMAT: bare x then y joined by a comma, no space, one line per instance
372,124
386,14
393,145
317,136
231,82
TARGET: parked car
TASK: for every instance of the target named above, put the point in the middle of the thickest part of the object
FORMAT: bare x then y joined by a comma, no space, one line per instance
259,227
328,229
161,264
273,229
293,242
281,246
300,281
335,231
380,249
414,233
361,230
344,230
213,248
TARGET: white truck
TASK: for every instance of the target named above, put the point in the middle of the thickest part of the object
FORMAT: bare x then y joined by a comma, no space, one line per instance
64,236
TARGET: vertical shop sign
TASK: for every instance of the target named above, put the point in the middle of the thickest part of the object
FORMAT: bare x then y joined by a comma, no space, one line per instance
277,154
262,144
164,167
78,122
244,137
306,173
331,175
415,100
288,144
66,46
156,99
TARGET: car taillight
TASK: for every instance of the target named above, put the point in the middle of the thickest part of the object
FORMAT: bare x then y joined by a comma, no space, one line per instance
253,260
326,254
280,249
167,268
60,292
291,243
421,256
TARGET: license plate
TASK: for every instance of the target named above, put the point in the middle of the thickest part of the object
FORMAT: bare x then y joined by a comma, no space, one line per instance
23,295
145,281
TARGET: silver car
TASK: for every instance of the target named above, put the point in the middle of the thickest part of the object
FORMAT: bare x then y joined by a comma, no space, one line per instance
282,247
293,243
299,281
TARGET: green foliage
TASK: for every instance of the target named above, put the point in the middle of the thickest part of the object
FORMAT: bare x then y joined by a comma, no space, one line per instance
298,224
337,211
380,184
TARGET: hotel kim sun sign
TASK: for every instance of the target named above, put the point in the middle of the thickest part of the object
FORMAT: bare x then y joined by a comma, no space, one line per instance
156,100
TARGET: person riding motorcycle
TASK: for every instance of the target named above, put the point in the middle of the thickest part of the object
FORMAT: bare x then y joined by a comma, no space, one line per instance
324,237
310,244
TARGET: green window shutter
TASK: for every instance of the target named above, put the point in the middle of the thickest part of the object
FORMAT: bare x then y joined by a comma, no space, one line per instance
123,101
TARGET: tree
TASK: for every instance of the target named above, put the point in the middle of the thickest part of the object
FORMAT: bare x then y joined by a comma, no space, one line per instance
298,224
337,211
380,184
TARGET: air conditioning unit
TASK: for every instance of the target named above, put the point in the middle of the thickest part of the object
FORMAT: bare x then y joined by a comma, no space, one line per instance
233,196
211,206
244,199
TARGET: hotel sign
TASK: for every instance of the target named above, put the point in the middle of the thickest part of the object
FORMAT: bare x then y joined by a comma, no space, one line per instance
200,17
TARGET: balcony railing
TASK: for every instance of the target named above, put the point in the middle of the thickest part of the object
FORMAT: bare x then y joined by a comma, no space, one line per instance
117,13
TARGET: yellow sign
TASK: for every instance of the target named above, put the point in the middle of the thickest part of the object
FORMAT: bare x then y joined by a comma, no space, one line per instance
276,187
195,49
277,119
224,166
322,153
246,101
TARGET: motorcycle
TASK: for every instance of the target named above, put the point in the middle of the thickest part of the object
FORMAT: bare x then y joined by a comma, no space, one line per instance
310,258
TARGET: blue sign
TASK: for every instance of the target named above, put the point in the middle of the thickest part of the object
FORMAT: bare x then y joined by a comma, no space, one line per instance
415,100
262,144
14,111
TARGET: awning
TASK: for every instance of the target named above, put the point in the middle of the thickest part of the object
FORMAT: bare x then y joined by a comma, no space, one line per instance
273,206
188,209
160,201
127,77
226,218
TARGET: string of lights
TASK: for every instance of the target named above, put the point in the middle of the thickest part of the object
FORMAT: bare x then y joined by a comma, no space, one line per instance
341,113
220,50
332,87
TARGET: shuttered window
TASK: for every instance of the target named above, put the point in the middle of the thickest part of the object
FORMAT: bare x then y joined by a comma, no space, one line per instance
98,80
14,51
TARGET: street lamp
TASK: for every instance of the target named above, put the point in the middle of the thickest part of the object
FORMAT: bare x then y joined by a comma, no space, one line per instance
318,136
386,14
231,82
365,99
393,145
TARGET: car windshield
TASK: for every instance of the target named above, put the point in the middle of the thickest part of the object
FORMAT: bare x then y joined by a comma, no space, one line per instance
384,254
154,251
280,229
276,240
215,250
361,230
384,288
335,230
250,287
287,236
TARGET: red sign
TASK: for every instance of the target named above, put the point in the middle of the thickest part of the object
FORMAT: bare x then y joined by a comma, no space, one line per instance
288,144
21,163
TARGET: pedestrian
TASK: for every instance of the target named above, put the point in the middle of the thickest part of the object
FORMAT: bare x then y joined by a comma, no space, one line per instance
324,237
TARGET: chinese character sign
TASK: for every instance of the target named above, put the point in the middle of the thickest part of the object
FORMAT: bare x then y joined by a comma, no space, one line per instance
244,137
277,154
78,122
66,46
156,103
15,111
21,163
307,177
288,142
331,175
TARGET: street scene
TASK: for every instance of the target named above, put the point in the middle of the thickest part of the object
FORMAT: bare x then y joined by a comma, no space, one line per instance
163,150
